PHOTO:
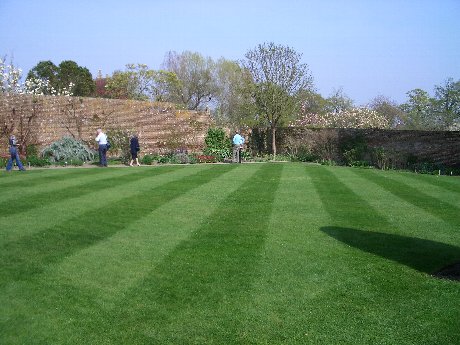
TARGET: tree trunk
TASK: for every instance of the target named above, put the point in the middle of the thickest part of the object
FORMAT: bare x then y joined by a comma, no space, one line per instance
274,142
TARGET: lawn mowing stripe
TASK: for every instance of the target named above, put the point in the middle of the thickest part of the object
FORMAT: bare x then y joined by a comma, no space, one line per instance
48,216
436,207
296,270
57,182
353,219
306,272
34,177
205,275
405,218
110,267
424,255
306,289
95,278
344,206
88,185
368,301
95,225
448,183
429,187
15,177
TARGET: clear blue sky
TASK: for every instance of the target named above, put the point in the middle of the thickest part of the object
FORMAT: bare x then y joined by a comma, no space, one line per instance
367,47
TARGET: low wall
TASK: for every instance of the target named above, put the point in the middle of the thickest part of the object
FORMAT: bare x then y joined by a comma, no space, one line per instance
438,147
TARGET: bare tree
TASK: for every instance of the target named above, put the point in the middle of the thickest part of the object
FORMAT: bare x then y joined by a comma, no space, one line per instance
278,77
338,101
195,85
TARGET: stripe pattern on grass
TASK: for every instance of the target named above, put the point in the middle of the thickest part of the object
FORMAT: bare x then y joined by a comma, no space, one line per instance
227,254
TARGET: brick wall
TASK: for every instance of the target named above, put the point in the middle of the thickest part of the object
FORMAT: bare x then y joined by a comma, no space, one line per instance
162,128
439,147
43,119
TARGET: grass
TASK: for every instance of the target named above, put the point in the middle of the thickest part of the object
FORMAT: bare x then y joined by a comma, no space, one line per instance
228,254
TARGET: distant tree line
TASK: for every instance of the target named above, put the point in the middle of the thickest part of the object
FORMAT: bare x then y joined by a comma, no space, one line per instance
269,87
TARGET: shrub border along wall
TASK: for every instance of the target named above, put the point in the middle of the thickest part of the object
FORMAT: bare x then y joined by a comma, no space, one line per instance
400,149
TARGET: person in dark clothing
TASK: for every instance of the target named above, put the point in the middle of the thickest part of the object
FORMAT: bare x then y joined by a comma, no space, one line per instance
134,148
14,155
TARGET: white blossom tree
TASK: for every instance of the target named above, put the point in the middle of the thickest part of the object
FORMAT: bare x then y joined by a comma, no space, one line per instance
352,118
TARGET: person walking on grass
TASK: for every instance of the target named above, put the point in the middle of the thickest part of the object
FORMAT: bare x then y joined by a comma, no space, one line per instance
134,148
102,141
14,155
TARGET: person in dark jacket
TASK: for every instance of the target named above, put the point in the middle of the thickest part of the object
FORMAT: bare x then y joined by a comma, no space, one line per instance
134,148
14,155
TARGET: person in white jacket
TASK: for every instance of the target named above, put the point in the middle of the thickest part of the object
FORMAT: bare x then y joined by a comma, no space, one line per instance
102,141
238,142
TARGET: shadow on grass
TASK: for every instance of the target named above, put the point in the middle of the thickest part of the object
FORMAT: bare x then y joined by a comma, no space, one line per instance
423,255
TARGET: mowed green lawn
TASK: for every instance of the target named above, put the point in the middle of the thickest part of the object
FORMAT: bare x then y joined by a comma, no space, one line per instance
228,254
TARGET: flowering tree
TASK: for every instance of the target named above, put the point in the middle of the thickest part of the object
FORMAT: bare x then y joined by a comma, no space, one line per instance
10,78
60,77
21,112
352,118
46,71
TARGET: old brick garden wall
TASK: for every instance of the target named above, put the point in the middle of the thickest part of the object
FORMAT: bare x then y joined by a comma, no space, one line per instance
41,120
402,148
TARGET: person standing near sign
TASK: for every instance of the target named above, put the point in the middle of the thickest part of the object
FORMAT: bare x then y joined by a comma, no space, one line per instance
238,142
102,141
14,155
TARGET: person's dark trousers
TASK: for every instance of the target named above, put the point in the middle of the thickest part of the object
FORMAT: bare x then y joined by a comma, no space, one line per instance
14,156
236,154
103,155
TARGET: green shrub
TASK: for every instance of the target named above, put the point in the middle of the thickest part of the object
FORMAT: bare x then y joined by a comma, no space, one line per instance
217,144
3,162
428,168
119,141
76,162
147,159
280,158
166,159
182,158
192,159
37,162
246,155
305,155
354,151
68,149
33,159
381,158
31,150
329,162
